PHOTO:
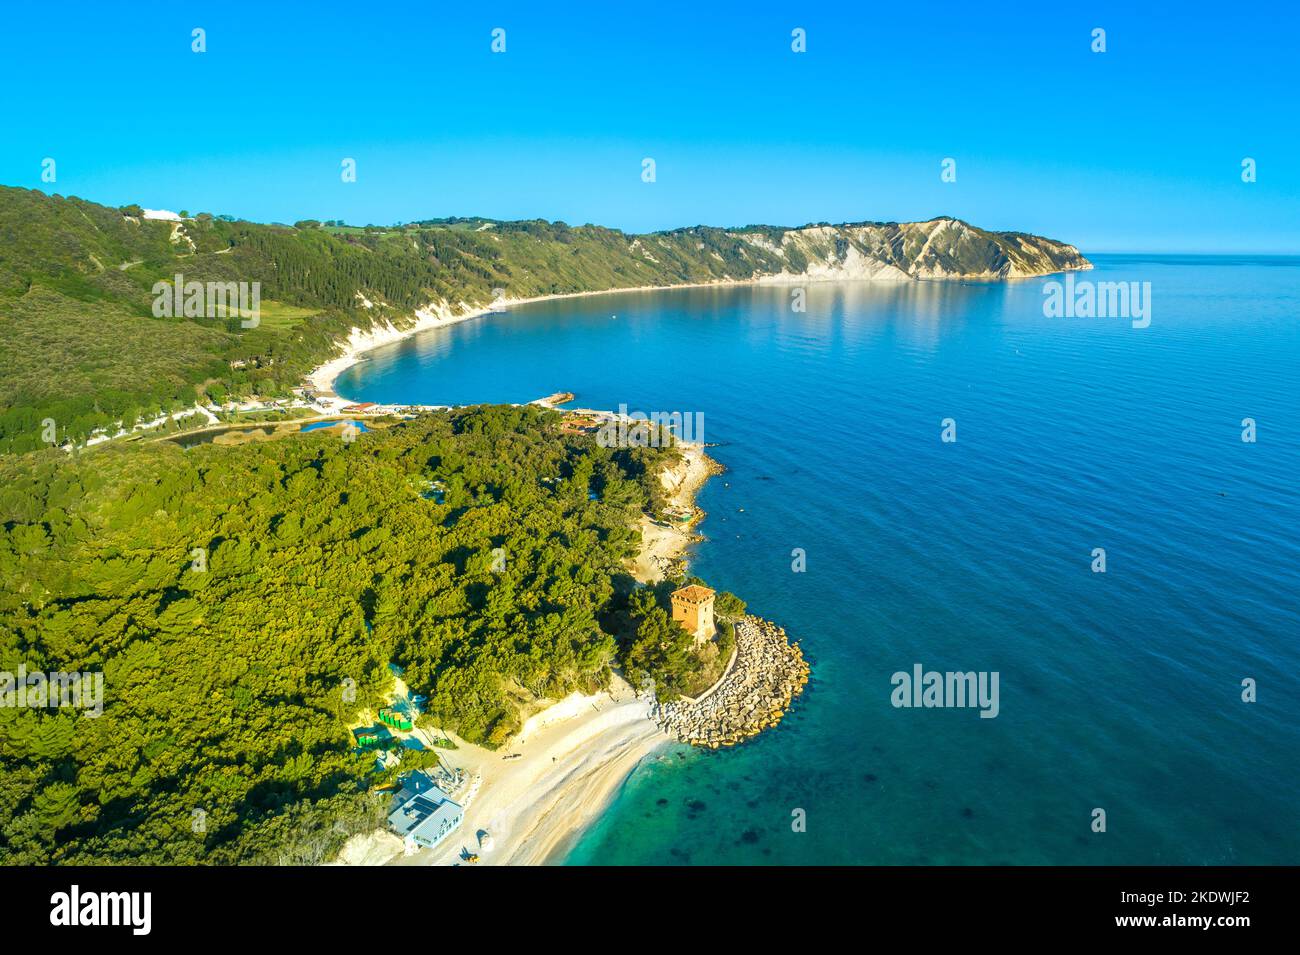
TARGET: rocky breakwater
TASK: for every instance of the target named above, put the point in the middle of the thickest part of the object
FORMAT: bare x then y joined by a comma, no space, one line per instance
767,673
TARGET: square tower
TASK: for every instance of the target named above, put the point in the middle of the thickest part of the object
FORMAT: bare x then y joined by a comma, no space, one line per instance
693,610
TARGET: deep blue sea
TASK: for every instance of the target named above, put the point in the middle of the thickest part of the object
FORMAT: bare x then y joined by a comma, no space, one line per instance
1119,691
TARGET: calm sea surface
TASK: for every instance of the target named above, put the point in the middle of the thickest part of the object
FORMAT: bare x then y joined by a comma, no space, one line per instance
1120,691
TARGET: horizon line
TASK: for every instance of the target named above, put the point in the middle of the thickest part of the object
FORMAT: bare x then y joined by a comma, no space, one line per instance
698,225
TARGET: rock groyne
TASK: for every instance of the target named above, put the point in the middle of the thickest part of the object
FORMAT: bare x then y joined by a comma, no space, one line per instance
767,674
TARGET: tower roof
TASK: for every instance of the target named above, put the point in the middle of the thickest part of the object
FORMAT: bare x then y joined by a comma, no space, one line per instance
693,594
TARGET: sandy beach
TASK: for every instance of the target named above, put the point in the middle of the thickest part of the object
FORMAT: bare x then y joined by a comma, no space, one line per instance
537,795
360,341
663,543
567,772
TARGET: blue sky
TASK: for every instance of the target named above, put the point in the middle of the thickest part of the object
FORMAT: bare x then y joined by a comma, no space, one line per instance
1138,148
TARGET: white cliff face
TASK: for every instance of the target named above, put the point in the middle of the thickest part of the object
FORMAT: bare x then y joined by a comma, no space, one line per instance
937,249
831,258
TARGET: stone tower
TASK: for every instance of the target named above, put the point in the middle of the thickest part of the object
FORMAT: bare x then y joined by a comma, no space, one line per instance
693,609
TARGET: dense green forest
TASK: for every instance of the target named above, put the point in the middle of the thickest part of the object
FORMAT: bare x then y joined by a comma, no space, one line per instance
230,596
79,343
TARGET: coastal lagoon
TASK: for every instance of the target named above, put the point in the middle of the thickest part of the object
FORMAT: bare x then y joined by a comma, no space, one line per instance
1119,691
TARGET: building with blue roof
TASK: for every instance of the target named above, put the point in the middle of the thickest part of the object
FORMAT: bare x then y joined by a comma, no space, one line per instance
422,814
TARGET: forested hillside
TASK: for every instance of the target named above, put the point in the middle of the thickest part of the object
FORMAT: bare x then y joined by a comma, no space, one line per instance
79,342
320,561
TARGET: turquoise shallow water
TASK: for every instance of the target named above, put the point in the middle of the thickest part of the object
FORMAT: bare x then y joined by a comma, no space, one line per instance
1120,691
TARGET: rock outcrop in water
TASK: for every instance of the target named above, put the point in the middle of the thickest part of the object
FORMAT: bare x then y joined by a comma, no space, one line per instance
767,673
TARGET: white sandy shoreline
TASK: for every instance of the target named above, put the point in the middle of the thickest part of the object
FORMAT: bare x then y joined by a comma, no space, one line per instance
537,795
663,543
360,341
537,805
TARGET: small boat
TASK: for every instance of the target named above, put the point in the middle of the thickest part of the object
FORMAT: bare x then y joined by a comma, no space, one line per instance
485,841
